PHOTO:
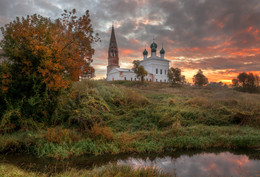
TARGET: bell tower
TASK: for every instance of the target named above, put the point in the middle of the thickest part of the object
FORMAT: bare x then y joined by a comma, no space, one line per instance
113,59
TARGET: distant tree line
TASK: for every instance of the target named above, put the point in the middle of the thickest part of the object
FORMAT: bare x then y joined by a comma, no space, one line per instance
246,82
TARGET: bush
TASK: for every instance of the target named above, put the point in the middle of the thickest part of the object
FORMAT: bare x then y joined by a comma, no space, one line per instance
60,135
101,132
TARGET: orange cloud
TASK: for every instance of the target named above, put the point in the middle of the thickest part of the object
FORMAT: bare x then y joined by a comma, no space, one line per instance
125,52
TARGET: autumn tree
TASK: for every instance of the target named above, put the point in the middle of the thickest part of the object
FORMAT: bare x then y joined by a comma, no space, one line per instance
175,77
246,82
200,79
139,70
45,56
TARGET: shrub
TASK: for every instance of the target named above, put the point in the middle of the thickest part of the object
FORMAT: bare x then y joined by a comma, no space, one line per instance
59,135
101,132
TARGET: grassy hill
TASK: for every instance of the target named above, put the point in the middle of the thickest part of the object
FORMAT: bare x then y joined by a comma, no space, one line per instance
130,117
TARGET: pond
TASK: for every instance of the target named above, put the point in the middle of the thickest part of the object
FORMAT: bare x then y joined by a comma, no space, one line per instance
192,163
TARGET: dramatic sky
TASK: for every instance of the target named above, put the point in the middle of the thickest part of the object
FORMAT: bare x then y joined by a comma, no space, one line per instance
221,37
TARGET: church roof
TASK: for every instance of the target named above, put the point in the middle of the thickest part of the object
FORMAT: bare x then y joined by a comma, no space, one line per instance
162,51
123,70
153,49
153,45
145,52
113,43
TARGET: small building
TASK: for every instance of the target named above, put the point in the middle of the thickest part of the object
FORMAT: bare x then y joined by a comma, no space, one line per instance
156,66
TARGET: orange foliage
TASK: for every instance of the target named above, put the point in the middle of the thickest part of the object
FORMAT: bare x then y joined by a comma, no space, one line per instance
58,50
5,79
105,132
59,135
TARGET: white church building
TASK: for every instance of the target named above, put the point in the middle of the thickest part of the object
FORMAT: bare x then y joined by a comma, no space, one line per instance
156,66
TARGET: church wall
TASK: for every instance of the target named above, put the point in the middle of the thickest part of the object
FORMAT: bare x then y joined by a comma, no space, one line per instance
121,75
151,67
124,75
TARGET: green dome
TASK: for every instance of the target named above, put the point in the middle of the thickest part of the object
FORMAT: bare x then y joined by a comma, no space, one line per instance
153,45
153,49
162,51
145,52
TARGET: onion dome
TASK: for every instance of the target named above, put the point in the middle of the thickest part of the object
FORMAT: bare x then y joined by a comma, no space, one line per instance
162,51
153,45
153,49
145,52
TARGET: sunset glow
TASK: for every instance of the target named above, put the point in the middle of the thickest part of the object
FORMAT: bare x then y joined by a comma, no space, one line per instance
219,37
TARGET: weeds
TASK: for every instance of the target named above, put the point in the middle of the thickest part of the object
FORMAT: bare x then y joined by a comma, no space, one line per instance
124,117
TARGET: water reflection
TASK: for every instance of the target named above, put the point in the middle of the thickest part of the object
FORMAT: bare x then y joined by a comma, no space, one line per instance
203,164
187,163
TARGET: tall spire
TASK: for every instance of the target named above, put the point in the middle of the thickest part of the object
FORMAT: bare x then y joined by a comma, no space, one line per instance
113,59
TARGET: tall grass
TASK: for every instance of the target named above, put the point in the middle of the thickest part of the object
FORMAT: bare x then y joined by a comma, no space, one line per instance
127,117
104,171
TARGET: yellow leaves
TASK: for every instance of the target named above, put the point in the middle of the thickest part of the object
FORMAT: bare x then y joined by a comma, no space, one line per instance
5,80
53,75
55,50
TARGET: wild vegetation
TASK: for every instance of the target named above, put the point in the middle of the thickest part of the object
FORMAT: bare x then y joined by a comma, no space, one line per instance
200,79
139,70
175,78
247,82
48,113
44,58
101,117
104,171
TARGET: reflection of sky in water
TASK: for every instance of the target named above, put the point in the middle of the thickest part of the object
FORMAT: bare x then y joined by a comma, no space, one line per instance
205,164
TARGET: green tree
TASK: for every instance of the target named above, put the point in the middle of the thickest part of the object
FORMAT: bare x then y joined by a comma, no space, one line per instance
139,70
175,77
199,79
44,56
246,82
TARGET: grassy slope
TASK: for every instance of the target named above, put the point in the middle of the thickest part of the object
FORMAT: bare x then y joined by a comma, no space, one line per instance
153,117
105,171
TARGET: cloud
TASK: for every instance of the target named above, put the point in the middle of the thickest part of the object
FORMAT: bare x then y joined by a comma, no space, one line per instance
215,35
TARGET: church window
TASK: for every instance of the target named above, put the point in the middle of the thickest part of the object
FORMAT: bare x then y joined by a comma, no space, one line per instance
125,78
156,70
160,71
